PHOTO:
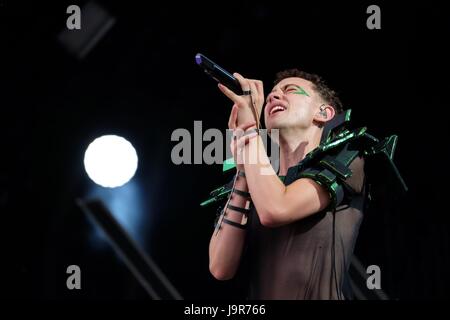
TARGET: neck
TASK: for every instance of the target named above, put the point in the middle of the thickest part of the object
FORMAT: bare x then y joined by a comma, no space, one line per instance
295,144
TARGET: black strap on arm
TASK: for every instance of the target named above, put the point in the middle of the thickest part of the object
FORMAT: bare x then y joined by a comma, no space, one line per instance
239,209
234,224
241,193
329,181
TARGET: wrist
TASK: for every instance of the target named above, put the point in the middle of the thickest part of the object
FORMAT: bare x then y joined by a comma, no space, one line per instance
240,172
241,183
251,130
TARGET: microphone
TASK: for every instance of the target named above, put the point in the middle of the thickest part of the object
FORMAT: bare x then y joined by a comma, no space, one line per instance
219,74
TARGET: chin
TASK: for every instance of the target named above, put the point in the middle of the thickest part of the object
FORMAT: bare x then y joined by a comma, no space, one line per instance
274,125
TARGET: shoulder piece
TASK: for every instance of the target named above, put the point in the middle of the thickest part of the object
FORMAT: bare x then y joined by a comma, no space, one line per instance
328,164
384,177
335,154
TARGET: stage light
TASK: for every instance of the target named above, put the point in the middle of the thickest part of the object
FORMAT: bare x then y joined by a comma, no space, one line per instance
110,161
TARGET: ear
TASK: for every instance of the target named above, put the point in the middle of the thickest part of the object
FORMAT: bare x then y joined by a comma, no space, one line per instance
324,114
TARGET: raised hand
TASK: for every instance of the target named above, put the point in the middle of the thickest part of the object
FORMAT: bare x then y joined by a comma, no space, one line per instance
250,104
240,138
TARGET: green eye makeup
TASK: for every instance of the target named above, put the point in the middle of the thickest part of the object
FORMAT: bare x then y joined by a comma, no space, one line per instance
300,90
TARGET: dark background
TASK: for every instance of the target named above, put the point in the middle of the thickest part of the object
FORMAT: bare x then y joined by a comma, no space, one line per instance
140,81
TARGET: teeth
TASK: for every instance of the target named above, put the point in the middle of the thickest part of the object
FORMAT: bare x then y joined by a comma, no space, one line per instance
277,108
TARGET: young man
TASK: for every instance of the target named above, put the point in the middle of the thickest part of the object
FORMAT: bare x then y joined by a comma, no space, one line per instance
297,227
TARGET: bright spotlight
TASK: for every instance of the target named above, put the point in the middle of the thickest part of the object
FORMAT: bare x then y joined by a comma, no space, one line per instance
110,161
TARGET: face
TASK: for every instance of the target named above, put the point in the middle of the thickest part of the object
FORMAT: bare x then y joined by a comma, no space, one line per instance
292,103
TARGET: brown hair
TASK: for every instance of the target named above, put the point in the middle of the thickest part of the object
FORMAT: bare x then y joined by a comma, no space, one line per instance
319,85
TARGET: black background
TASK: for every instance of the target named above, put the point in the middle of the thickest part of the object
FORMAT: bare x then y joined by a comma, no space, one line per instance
140,81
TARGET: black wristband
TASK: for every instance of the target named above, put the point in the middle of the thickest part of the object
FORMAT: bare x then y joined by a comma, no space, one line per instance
234,224
241,193
238,209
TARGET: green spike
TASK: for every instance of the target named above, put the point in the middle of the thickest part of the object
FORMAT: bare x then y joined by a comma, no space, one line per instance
228,164
205,203
348,114
391,144
217,197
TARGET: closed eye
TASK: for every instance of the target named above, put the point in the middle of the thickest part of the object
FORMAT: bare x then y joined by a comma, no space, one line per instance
296,89
291,87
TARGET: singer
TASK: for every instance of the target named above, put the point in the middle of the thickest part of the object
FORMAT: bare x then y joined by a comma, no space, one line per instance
295,228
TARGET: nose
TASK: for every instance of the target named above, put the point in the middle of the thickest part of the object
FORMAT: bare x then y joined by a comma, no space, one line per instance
274,95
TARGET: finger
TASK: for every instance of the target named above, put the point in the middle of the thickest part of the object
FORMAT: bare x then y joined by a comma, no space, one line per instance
259,86
254,92
256,100
241,142
242,81
246,126
230,94
233,117
240,130
233,148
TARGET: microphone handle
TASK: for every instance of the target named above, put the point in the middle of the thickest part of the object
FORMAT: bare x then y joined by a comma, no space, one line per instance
218,73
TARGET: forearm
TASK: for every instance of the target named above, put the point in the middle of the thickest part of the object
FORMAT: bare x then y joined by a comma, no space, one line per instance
267,189
227,241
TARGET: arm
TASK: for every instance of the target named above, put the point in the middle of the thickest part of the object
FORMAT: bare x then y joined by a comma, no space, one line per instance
227,241
276,203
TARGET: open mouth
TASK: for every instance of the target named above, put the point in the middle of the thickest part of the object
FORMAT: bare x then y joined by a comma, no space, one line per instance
276,109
